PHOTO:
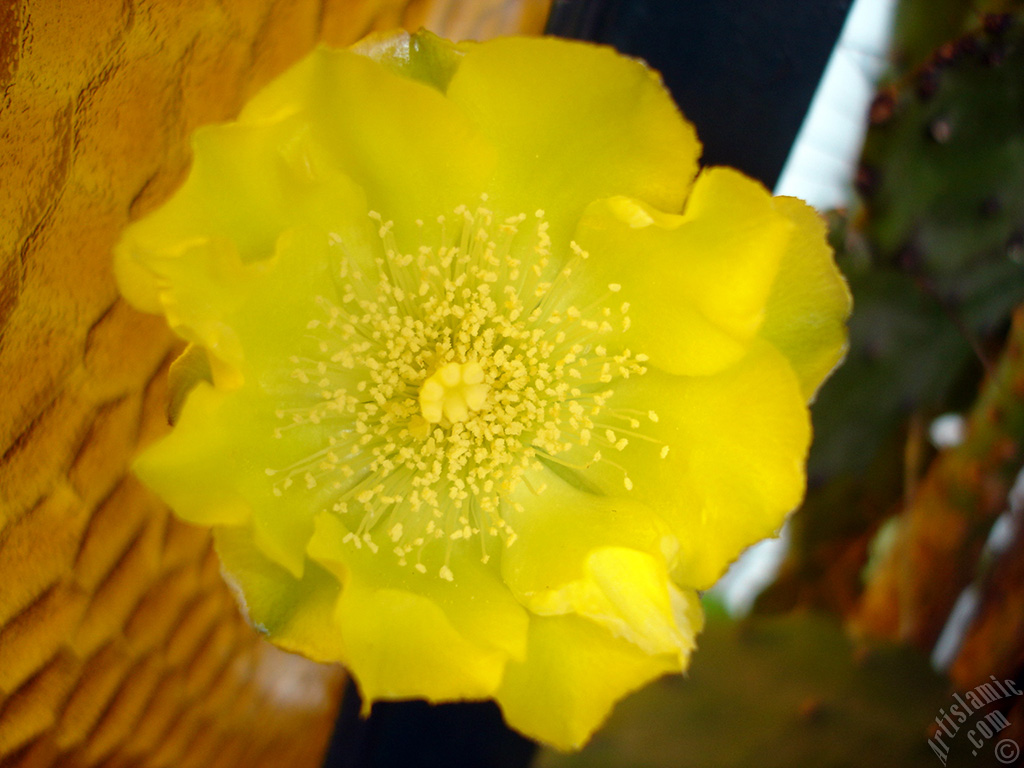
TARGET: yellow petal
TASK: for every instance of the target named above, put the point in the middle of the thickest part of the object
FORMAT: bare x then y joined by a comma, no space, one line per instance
629,593
212,469
560,526
194,450
696,284
195,284
247,183
601,557
809,303
574,122
734,447
401,645
291,297
296,613
574,673
416,635
413,152
291,159
197,261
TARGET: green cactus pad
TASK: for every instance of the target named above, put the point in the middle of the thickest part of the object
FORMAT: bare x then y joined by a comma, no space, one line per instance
942,176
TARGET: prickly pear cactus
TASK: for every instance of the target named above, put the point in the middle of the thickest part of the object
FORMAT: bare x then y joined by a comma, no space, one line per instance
942,176
923,26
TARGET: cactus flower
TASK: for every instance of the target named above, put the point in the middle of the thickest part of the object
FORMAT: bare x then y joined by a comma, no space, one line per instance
498,380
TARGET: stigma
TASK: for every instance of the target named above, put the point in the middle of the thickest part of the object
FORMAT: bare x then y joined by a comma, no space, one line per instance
453,392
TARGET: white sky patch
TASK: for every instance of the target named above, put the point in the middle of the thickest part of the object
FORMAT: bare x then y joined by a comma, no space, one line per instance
822,163
952,635
1002,534
748,576
947,430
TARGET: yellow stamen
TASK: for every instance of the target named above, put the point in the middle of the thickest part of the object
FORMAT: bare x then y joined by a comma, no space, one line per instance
443,376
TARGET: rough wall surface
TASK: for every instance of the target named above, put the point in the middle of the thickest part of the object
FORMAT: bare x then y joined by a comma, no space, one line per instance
119,644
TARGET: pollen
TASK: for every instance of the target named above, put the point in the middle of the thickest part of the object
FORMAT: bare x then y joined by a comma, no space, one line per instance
436,379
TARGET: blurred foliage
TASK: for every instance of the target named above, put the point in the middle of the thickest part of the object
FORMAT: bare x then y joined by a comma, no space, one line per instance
942,175
922,26
938,540
933,253
782,692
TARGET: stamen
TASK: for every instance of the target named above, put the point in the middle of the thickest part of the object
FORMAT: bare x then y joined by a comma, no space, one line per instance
442,376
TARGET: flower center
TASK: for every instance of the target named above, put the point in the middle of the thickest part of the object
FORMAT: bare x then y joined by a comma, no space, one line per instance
452,392
441,377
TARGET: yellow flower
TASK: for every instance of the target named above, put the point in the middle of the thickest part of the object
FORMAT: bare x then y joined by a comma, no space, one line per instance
499,382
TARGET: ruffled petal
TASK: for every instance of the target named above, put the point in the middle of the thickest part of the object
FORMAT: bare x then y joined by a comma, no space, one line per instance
696,284
574,673
197,449
414,635
196,285
601,557
734,447
296,613
572,123
559,526
198,263
810,302
412,151
221,463
264,176
330,136
293,295
400,645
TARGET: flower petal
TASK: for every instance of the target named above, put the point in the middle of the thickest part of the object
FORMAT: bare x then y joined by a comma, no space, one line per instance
413,635
195,285
696,284
360,112
630,594
572,123
810,302
223,444
560,526
296,613
291,159
264,177
734,467
272,321
601,557
401,645
574,673
201,436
